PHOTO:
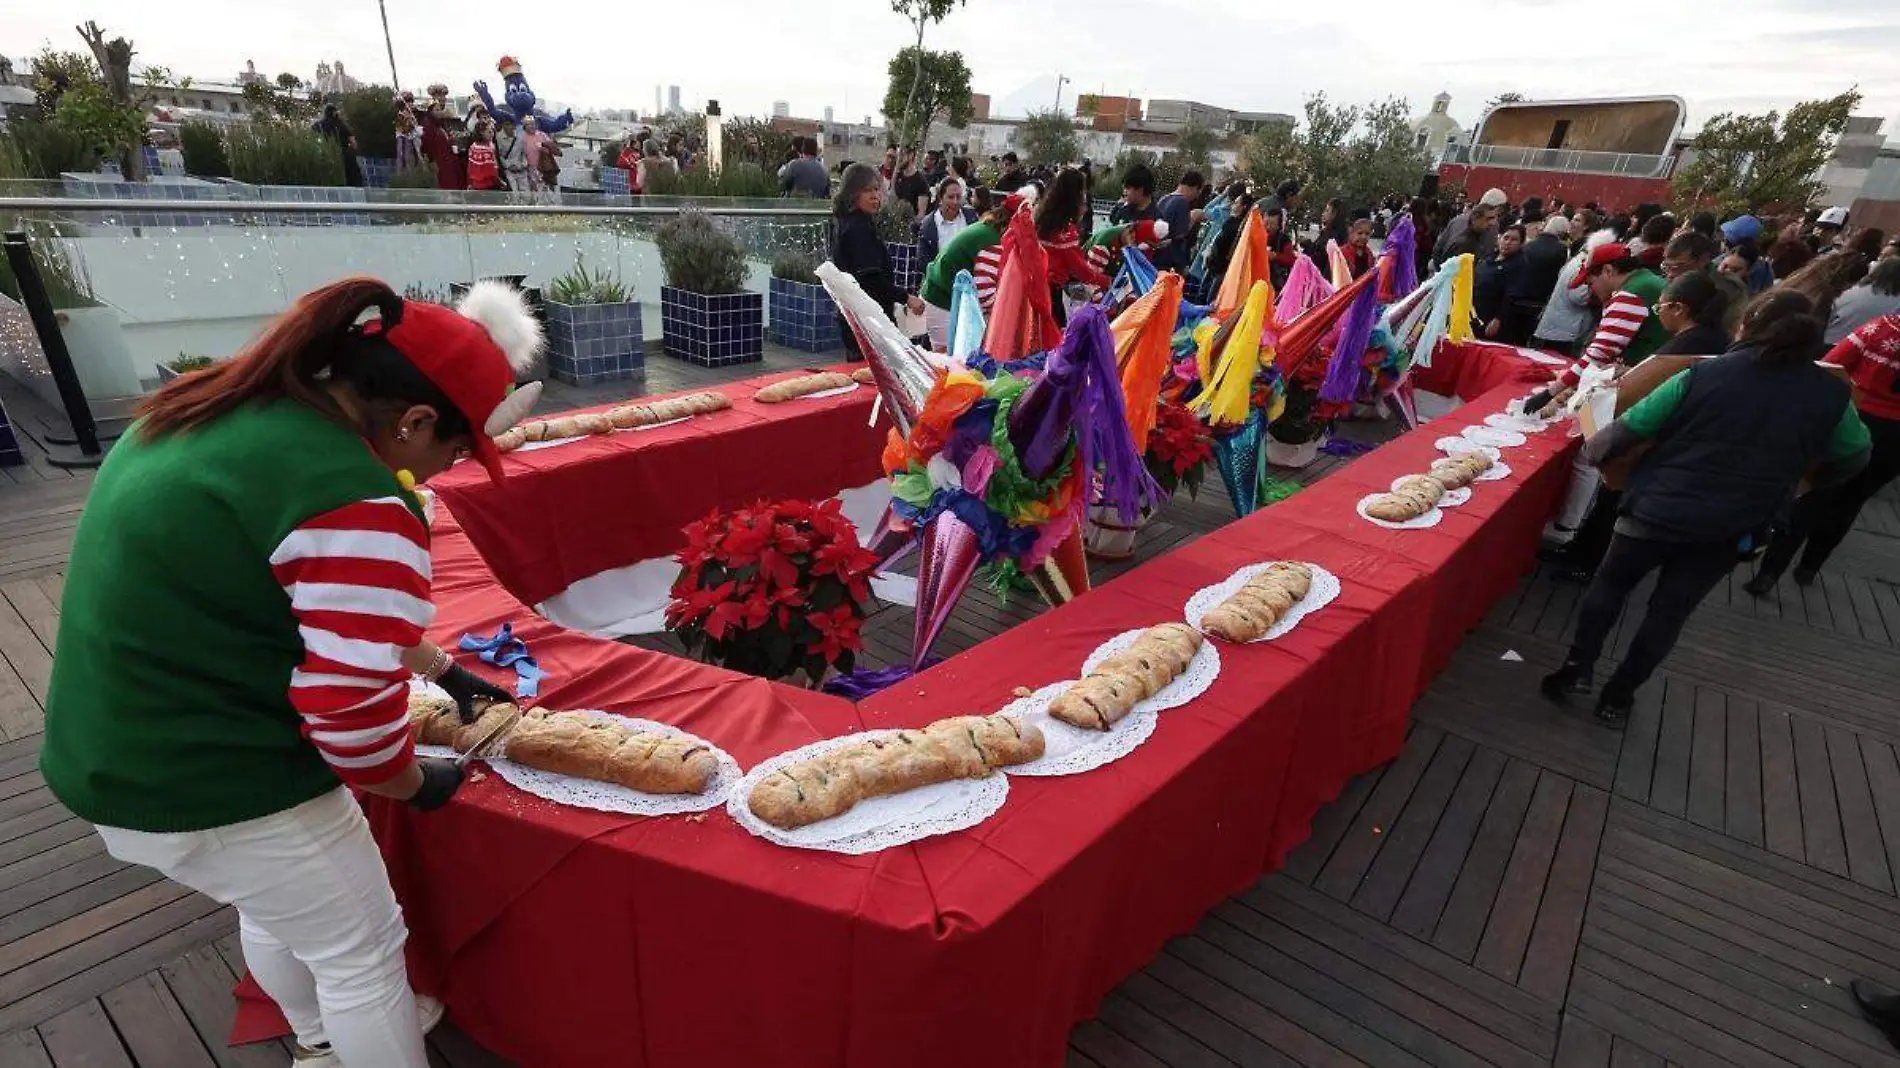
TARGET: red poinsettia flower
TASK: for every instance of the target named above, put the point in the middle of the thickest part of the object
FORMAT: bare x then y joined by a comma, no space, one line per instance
744,542
837,631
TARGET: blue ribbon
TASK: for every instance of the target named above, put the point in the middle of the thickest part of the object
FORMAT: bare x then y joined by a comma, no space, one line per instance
506,650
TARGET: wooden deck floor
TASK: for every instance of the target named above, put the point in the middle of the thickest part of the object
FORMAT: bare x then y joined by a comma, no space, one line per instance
1519,887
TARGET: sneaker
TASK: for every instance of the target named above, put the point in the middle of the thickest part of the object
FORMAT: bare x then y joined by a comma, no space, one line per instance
319,1056
1556,535
1571,678
1613,710
1763,583
430,1011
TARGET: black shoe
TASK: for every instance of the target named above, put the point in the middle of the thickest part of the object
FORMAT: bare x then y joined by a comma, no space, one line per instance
1571,678
1881,1010
1613,710
1804,576
1764,582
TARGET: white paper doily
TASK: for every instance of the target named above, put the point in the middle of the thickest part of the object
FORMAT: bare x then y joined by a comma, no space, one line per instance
1516,421
1497,472
656,426
1490,435
1071,750
1456,446
1452,498
612,797
552,442
837,392
1200,674
1429,519
1323,589
874,823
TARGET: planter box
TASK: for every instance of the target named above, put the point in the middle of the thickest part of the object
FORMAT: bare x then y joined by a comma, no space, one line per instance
803,316
589,343
377,170
1281,454
713,331
907,267
615,182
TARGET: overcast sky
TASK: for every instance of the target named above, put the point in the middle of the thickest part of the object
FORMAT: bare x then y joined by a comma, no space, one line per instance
1756,55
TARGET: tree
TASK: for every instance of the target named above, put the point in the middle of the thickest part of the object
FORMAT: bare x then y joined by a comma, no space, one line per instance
370,112
921,13
1758,163
754,141
284,100
1359,154
1323,149
1506,98
78,96
1383,158
1272,155
935,84
1194,146
1049,137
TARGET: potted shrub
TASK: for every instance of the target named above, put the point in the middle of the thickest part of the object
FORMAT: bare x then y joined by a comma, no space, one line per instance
202,145
773,589
1294,439
706,315
593,327
183,365
1179,451
802,314
897,226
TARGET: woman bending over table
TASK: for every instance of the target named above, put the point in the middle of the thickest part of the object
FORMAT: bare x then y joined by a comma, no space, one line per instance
1728,440
245,605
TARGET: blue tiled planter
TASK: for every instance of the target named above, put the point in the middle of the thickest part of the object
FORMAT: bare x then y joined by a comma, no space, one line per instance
376,170
589,343
906,267
803,316
713,331
614,183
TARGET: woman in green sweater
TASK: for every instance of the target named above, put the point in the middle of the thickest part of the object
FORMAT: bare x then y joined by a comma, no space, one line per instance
974,242
243,611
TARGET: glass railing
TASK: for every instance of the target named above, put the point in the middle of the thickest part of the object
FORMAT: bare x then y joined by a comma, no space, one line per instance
149,279
1635,165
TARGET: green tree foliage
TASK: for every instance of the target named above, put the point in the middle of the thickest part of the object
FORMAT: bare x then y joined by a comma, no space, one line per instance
1194,146
1382,158
284,100
202,144
1048,137
1361,154
98,106
279,154
754,141
1756,163
1506,98
35,148
371,113
920,13
924,88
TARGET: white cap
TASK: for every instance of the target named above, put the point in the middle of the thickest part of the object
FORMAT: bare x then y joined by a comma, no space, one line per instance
1557,226
1834,216
1161,229
1494,198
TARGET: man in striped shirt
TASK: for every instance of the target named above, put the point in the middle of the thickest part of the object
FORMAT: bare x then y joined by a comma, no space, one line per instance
1629,330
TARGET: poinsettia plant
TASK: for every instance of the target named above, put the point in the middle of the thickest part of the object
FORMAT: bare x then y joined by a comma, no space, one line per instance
1179,450
773,589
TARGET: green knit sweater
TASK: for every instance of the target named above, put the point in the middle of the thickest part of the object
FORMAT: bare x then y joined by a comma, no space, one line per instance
170,707
957,255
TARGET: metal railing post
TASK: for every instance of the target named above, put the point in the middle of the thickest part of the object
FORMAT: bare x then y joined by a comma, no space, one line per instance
53,343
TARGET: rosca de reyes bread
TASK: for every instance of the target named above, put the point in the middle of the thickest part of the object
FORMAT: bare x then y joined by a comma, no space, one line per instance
962,747
653,413
570,743
436,721
1259,603
864,376
803,385
1158,656
1457,472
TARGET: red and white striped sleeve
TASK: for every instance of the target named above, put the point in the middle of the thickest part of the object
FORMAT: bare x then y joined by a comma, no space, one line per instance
1622,317
988,270
358,581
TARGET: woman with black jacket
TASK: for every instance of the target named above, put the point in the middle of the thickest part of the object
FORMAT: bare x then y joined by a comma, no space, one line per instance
859,252
1728,440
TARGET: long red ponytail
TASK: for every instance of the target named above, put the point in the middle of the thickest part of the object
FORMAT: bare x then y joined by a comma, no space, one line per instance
284,361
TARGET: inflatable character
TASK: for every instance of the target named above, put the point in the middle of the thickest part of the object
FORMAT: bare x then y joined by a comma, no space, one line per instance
518,100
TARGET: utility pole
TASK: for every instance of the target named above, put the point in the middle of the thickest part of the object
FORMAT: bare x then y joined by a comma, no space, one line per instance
1061,80
394,82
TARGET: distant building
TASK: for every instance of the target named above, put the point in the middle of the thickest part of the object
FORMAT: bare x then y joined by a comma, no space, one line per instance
673,100
1255,122
331,78
1107,112
979,106
1175,114
1436,130
781,109
1848,168
1618,152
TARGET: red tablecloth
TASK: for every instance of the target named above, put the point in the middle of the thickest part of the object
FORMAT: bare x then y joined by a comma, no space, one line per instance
1470,369
563,937
578,509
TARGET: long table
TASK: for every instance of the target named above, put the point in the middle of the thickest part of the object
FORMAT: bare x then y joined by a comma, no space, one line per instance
568,937
1472,368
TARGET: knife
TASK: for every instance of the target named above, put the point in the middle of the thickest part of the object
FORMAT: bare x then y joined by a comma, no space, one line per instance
493,734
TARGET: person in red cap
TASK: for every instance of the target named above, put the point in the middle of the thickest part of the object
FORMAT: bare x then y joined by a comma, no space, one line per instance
1629,330
243,612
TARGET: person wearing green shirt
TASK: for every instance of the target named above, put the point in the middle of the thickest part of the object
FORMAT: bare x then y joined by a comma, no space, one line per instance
1727,442
976,248
243,612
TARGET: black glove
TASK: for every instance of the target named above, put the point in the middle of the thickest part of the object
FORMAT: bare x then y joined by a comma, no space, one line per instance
440,779
1535,402
467,688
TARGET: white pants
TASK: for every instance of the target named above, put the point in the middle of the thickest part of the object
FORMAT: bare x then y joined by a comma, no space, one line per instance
322,933
937,325
1582,494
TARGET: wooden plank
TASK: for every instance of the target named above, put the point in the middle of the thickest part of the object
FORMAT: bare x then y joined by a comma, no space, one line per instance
1281,1016
57,882
1461,926
1780,786
82,1037
31,660
153,1026
1637,1019
1742,799
1582,1045
1350,861
1514,913
1406,839
1670,790
1636,763
1172,1003
32,845
1425,896
202,984
23,1049
1627,1054
75,902
1708,759
1109,1049
1883,782
1553,942
1820,816
1155,1035
1860,827
1329,826
105,959
20,872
